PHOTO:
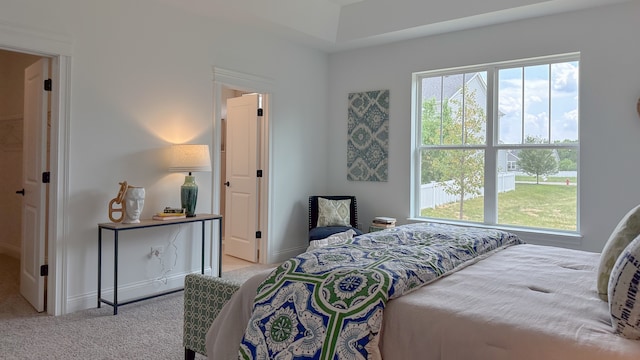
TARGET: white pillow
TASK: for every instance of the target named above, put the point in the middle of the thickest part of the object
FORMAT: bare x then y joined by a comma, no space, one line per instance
338,238
624,292
628,228
334,212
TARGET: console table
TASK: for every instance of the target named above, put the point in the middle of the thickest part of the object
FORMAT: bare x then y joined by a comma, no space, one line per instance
118,227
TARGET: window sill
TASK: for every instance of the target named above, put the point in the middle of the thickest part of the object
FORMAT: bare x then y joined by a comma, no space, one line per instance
564,239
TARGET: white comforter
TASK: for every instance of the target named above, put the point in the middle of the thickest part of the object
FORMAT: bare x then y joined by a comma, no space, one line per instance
524,302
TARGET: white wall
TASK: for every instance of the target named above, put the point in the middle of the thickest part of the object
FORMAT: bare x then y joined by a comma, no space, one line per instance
141,79
610,87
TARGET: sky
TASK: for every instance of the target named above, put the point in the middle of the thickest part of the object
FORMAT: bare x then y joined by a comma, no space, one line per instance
550,102
540,101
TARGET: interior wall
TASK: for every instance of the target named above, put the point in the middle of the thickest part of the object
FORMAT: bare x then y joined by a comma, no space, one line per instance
609,90
12,67
144,84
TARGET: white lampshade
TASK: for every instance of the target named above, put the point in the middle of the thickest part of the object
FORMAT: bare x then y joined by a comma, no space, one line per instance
191,158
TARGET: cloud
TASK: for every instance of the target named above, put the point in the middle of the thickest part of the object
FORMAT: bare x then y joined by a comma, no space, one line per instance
528,105
564,77
510,96
537,125
572,115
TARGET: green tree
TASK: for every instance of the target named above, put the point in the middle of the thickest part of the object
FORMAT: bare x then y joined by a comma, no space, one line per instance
461,122
567,158
432,123
538,162
566,165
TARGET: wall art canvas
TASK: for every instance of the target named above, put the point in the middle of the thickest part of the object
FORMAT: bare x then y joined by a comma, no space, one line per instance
368,136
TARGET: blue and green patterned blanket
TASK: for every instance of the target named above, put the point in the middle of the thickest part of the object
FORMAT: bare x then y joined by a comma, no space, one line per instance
328,303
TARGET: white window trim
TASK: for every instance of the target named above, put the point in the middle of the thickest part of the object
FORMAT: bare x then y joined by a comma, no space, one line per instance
534,235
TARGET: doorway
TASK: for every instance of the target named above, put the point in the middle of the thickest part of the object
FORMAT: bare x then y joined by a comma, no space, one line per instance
228,85
16,142
242,175
58,48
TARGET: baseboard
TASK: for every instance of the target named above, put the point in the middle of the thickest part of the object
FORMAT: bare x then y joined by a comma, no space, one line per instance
129,291
10,250
283,256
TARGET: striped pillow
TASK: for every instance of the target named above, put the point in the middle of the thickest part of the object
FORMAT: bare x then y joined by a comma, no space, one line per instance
624,292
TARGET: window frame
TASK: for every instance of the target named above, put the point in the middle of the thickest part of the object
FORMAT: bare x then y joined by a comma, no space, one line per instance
491,147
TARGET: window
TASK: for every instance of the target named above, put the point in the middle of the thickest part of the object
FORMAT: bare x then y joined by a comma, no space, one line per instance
498,144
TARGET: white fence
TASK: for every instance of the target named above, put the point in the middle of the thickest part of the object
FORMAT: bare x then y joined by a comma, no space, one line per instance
434,194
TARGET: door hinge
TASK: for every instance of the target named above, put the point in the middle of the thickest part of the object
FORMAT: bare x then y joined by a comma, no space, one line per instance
47,85
46,177
259,173
258,234
259,112
44,270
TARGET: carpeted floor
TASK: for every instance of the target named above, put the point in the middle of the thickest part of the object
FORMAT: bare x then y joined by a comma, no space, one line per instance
150,329
12,304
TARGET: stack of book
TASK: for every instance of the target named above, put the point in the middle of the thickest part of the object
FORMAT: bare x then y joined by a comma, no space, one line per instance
382,222
170,214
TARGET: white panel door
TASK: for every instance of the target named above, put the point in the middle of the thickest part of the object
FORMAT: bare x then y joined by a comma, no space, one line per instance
34,202
241,206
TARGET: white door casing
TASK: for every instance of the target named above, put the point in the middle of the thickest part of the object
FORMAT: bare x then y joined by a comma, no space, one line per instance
34,199
242,190
59,48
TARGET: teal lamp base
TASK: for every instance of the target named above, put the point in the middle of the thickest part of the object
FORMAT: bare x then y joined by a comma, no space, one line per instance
189,195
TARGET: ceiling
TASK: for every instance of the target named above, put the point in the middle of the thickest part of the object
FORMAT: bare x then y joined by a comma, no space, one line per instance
336,25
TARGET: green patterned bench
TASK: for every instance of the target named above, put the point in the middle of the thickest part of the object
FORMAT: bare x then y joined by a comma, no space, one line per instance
204,297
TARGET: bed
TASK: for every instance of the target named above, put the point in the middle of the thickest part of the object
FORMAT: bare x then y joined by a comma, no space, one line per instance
506,300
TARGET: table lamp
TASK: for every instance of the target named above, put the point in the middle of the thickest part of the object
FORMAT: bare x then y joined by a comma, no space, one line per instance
189,158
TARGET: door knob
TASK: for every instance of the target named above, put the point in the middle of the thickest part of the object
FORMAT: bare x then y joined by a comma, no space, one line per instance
20,192
227,183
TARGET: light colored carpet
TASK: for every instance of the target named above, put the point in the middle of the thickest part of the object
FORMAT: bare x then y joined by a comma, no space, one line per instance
12,304
150,329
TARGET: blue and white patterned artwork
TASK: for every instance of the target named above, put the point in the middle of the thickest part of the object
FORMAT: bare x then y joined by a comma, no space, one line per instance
368,133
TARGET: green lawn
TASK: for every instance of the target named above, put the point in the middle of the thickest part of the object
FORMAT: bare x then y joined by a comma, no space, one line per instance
572,179
532,205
